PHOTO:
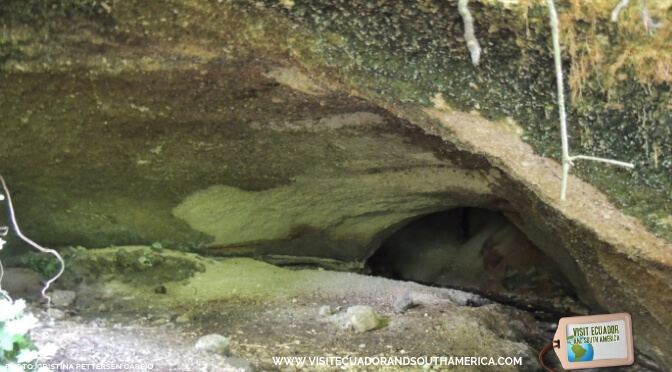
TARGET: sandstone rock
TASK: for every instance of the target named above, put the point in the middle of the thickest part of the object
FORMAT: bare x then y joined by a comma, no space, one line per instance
316,149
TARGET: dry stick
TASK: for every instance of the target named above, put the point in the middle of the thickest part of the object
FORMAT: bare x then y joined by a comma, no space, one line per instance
469,35
15,225
566,159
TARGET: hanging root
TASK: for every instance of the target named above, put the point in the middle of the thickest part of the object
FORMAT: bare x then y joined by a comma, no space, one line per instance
617,10
566,158
15,226
469,36
650,25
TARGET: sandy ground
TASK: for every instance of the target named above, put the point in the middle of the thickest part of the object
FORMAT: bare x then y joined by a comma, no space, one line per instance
117,324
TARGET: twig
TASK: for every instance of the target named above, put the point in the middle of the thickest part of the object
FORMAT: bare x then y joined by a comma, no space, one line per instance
469,35
566,159
15,225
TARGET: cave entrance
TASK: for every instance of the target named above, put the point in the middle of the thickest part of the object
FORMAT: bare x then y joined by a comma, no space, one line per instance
478,250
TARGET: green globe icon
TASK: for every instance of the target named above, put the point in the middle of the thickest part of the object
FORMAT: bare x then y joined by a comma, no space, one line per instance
579,351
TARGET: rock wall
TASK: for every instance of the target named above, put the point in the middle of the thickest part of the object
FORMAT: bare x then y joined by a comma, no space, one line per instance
304,133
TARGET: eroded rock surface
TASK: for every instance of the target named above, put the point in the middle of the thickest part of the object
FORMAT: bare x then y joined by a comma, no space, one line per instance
475,249
201,125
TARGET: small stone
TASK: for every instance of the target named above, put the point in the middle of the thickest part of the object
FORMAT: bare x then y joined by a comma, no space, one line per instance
97,323
363,318
160,321
56,314
214,343
325,310
184,318
157,247
404,303
240,364
62,298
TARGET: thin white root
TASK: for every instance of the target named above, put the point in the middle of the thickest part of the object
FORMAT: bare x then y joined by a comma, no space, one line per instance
603,160
650,25
15,226
469,35
617,10
557,57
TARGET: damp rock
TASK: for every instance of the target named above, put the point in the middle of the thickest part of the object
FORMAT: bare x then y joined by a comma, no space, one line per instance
214,343
363,318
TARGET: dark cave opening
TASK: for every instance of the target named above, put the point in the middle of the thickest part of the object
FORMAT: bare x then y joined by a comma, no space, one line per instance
480,251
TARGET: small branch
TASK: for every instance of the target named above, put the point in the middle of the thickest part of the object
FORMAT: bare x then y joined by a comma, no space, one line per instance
15,225
469,35
617,10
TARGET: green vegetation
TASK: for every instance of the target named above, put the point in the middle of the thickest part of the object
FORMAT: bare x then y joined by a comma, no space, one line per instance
15,344
44,264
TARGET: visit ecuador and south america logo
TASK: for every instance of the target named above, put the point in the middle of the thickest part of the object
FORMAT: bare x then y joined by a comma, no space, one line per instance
580,343
602,340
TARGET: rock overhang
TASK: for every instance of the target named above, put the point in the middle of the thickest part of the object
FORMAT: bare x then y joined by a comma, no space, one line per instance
147,118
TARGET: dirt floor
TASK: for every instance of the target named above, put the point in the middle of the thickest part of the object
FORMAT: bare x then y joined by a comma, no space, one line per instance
128,320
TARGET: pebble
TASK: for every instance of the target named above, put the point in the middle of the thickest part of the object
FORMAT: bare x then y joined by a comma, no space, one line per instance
56,314
404,303
326,310
240,364
363,318
214,343
184,318
61,298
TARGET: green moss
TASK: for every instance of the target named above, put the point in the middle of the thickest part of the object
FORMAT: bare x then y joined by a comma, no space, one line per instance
29,10
43,263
